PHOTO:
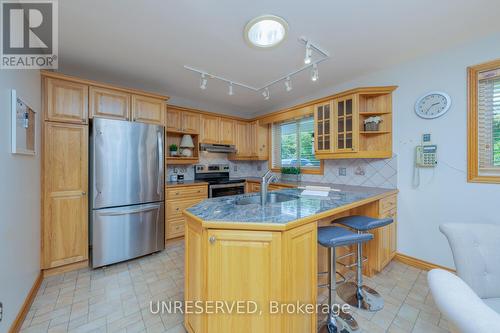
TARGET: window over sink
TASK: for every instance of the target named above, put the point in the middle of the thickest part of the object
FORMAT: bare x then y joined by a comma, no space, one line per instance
293,145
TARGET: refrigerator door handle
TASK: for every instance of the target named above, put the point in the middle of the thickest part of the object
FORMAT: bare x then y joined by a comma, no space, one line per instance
142,208
160,162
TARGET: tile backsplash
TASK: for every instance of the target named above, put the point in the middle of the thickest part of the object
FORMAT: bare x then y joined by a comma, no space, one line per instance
364,172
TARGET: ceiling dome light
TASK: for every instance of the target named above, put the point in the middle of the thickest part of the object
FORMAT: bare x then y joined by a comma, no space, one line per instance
266,31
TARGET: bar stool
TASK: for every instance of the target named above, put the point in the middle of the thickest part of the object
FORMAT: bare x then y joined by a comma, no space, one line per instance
332,237
356,294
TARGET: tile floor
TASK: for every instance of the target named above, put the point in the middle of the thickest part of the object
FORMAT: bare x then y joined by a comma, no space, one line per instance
116,299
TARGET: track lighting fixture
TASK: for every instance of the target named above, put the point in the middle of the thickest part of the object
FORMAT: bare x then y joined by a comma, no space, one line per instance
314,73
288,84
320,55
307,59
266,94
203,82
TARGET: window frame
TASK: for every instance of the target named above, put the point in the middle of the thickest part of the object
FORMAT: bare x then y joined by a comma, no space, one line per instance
473,175
303,170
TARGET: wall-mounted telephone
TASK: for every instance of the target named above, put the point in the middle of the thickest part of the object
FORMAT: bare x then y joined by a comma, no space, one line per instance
425,157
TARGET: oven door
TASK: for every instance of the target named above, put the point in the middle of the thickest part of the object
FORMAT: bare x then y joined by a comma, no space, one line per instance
222,190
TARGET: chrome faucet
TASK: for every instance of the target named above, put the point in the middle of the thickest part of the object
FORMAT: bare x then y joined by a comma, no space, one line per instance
266,179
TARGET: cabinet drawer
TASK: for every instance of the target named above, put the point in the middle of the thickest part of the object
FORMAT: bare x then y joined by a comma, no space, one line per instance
175,207
175,228
187,192
387,203
389,213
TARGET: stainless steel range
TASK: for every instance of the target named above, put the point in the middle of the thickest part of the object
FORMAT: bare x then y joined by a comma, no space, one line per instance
219,182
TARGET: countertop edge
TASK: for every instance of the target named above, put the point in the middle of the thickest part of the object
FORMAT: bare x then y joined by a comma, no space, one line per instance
185,184
290,225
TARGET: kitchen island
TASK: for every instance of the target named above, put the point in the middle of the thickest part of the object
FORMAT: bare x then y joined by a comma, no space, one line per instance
238,250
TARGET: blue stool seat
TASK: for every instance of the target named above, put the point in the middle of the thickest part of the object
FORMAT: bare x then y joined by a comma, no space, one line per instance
363,223
337,236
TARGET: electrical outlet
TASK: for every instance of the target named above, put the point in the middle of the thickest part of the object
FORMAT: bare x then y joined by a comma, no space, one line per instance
1,311
342,171
360,171
235,168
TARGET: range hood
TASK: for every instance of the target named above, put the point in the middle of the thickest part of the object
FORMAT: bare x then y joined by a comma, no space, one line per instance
216,148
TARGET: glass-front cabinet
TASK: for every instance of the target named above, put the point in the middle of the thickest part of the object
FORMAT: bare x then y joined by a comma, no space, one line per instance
323,117
346,123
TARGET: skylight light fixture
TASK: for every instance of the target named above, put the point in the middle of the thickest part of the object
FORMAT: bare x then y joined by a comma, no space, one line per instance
230,92
307,59
288,84
314,73
266,31
203,82
266,94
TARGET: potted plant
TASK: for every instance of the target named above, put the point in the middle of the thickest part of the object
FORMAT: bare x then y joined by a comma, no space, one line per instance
290,174
173,149
372,123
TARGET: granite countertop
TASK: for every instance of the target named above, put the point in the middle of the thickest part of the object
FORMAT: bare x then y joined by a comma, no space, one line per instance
224,209
185,183
292,183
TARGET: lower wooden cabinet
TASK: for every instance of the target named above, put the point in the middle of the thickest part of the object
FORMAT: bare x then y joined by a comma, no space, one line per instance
272,266
177,199
65,200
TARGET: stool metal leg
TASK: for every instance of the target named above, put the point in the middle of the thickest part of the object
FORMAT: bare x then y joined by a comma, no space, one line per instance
358,295
336,322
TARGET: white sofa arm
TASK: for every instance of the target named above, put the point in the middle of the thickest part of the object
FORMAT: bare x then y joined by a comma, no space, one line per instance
460,304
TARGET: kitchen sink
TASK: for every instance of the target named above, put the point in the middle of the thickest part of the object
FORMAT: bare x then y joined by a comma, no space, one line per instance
271,198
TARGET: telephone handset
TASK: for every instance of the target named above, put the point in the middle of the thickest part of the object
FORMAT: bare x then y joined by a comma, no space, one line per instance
425,157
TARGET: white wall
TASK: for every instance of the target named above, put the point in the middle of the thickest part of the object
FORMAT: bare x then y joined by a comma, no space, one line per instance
444,194
19,199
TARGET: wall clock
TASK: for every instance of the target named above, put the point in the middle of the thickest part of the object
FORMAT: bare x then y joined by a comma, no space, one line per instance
433,105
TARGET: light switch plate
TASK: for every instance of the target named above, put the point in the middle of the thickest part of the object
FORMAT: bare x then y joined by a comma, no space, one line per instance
342,171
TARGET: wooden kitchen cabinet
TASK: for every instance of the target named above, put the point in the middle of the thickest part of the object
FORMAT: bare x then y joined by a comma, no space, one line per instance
148,110
251,140
323,120
250,265
65,200
346,124
66,101
190,122
227,131
174,119
109,103
178,198
210,129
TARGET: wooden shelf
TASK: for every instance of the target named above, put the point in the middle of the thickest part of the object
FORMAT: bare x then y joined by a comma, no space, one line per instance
374,132
372,113
182,160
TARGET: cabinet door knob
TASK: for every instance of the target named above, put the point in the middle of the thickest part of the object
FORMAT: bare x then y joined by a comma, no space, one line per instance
211,239
84,193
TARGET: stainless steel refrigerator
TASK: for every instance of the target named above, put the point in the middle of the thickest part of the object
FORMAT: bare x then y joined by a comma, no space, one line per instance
127,185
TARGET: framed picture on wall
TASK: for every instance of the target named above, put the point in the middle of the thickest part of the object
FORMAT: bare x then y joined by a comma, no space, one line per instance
22,127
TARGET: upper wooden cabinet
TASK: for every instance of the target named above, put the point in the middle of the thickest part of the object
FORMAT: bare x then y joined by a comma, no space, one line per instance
66,101
226,131
210,129
323,116
148,109
109,103
182,121
65,201
190,122
339,125
251,140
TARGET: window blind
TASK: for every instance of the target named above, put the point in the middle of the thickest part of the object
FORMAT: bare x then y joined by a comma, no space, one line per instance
489,122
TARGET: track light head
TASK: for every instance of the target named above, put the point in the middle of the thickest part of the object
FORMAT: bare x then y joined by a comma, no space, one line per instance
288,84
230,91
266,94
314,73
203,82
307,59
